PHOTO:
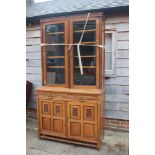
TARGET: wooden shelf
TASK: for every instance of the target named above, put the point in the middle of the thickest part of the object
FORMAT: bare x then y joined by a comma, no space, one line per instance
85,67
55,67
87,56
92,30
55,57
51,33
91,42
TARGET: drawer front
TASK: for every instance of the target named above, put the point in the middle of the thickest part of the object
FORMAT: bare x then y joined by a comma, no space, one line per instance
71,97
59,97
87,98
43,95
51,96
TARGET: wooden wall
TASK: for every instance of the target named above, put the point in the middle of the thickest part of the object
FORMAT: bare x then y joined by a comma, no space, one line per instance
116,87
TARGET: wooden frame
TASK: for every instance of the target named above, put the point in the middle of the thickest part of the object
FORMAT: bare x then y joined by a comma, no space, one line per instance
112,71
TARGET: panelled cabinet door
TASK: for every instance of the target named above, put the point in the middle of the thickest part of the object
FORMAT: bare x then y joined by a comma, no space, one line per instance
74,120
52,117
58,118
45,115
82,121
90,120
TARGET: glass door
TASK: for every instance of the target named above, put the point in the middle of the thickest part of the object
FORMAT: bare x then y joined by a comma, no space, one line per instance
60,63
88,52
54,55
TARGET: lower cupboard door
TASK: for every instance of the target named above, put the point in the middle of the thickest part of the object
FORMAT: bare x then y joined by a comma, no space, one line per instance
58,118
52,120
82,121
45,115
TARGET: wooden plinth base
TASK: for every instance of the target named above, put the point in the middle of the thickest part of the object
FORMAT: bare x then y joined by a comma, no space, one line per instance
72,141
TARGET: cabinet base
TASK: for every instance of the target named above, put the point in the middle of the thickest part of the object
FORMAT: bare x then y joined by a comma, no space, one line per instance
72,141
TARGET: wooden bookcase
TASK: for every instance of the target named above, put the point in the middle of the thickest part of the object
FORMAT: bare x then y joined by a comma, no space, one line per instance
70,105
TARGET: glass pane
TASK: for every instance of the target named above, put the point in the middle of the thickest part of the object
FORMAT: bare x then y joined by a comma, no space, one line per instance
88,78
54,38
54,28
54,50
108,61
55,55
89,34
55,62
88,54
55,75
87,37
86,61
89,66
80,25
85,50
54,33
108,41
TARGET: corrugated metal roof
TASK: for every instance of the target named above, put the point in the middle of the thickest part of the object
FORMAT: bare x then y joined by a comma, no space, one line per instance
68,6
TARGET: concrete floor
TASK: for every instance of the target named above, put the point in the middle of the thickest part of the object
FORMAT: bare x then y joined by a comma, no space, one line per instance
114,143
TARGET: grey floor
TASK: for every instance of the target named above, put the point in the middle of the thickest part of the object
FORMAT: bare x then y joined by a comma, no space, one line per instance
114,143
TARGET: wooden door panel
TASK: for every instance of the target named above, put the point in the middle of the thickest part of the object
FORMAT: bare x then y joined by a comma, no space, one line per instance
58,125
46,123
58,109
45,108
75,129
75,112
89,113
89,130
